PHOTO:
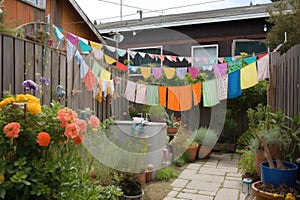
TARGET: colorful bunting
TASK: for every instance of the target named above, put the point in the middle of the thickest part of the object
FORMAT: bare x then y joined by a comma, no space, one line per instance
109,60
169,72
96,45
121,66
157,72
210,93
234,85
146,71
249,76
72,38
105,75
58,33
263,68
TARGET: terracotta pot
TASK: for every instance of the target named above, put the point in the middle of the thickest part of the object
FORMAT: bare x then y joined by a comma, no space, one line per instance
172,130
204,152
142,178
261,195
136,197
148,176
192,152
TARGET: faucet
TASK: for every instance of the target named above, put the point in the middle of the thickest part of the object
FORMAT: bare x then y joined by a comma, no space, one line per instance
141,115
147,117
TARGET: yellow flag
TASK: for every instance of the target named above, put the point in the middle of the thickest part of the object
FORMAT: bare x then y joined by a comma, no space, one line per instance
146,71
169,71
109,60
105,75
95,45
249,76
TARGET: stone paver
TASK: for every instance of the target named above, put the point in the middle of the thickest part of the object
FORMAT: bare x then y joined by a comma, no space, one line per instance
216,178
225,193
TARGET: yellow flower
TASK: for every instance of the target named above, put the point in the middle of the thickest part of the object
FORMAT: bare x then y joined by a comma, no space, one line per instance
34,108
21,98
275,195
289,196
2,178
6,101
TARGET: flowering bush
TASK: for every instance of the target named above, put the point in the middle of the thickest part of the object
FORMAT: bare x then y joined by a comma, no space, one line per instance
40,151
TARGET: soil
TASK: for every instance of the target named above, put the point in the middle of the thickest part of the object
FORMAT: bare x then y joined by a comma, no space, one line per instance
158,190
281,189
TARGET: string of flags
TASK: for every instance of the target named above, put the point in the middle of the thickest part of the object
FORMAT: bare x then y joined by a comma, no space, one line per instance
230,75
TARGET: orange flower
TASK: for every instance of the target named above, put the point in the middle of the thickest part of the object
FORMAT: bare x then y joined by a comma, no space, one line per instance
12,130
94,121
71,131
78,139
66,116
81,125
43,139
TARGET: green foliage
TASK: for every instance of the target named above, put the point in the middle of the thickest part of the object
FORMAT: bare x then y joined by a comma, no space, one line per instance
283,21
205,136
246,164
180,161
165,174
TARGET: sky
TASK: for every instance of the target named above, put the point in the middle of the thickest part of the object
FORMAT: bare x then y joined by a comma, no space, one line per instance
110,10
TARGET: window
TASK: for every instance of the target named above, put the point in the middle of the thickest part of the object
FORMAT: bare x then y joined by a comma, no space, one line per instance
37,3
248,46
204,55
138,60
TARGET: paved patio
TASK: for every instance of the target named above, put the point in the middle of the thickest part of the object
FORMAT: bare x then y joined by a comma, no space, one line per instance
216,178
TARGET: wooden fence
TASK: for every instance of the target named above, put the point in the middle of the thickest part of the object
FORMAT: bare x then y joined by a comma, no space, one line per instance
284,90
22,59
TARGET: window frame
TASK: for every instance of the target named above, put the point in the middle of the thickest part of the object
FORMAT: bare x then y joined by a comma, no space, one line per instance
233,46
41,4
204,46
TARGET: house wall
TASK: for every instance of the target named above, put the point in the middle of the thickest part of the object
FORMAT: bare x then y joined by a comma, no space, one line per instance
221,33
62,14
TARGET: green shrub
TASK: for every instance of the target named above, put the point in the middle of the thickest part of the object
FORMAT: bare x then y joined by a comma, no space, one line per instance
166,174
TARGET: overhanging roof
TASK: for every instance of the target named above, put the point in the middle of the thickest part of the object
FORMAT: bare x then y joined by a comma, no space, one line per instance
87,20
202,17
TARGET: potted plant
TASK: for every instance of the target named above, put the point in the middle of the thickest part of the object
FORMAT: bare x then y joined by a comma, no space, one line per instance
131,187
157,113
173,124
192,151
206,139
275,170
246,165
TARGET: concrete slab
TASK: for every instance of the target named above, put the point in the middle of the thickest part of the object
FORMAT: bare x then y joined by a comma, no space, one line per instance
203,185
179,183
194,196
233,184
225,193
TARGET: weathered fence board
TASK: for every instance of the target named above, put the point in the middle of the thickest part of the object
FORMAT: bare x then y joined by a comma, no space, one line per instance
22,59
284,93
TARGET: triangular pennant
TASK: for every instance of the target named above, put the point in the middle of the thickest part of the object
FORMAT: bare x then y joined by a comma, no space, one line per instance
96,68
133,68
71,49
174,58
142,54
221,60
98,54
157,72
78,57
109,60
121,66
96,45
105,75
169,58
161,57
180,58
146,71
132,53
72,38
85,48
169,72
152,56
58,33
189,59
110,48
121,52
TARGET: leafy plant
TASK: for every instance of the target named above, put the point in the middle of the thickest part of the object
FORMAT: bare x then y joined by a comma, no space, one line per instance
165,174
129,184
173,121
205,136
246,164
